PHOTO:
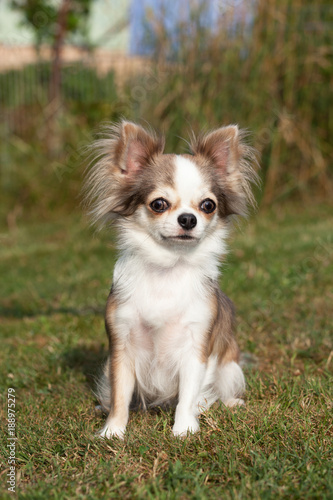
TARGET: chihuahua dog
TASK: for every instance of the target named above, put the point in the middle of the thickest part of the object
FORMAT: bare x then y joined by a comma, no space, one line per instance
170,328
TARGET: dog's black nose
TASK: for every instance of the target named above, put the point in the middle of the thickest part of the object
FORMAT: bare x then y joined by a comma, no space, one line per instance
187,221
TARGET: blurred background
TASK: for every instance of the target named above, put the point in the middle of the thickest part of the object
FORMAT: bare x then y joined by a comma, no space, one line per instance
68,65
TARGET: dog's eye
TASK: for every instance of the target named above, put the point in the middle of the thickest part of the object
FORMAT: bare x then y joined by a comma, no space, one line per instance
208,206
159,205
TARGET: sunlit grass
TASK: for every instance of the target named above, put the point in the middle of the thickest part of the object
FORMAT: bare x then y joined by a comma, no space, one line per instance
55,280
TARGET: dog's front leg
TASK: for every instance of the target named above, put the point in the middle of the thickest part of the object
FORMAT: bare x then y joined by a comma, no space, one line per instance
122,382
191,376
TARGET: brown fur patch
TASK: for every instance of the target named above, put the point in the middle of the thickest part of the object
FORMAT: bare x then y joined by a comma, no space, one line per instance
221,341
111,307
119,407
226,160
117,364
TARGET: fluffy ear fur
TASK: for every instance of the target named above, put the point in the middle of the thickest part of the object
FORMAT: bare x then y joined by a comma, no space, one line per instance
135,147
232,160
117,160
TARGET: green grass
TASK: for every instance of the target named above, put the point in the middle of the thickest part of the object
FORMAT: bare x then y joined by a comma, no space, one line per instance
55,280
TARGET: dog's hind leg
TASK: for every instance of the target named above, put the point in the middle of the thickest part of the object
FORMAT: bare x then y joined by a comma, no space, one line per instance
230,383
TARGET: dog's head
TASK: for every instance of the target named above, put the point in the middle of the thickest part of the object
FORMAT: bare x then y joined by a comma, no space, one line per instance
175,199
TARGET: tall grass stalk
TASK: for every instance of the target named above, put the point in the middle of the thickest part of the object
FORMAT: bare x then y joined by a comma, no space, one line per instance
268,69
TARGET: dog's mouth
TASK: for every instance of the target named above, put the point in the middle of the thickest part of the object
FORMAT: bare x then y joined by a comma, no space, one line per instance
180,237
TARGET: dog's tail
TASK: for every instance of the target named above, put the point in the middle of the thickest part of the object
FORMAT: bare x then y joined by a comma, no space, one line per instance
103,389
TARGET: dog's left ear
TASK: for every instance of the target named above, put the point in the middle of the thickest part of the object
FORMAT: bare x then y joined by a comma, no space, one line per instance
232,160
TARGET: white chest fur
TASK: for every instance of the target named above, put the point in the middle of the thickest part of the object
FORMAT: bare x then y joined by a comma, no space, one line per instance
156,297
163,316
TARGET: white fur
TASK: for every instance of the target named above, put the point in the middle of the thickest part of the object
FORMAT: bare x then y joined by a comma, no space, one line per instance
189,181
164,309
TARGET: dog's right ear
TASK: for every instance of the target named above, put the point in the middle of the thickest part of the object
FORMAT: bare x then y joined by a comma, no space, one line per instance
134,147
116,160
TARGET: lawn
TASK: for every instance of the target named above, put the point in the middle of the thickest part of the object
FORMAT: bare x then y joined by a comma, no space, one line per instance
55,278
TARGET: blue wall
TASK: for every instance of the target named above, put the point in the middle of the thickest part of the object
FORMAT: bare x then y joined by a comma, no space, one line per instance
143,13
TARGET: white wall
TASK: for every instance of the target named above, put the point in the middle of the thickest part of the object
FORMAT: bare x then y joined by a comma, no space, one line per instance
105,14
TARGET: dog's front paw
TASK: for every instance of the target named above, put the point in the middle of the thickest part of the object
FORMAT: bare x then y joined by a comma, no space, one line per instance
183,425
110,431
234,402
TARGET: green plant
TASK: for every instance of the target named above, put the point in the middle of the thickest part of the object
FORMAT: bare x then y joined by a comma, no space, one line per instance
271,75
